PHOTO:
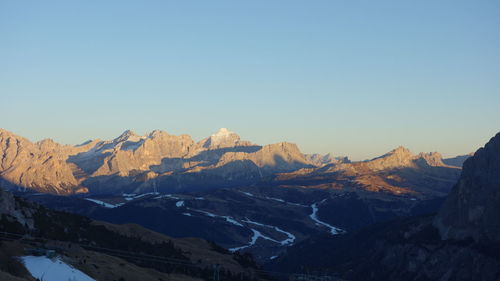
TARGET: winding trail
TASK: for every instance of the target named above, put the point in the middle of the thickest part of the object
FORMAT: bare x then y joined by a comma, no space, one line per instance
273,199
256,235
286,242
314,216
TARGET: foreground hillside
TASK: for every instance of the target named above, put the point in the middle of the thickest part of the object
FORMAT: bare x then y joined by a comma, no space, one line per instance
461,242
105,251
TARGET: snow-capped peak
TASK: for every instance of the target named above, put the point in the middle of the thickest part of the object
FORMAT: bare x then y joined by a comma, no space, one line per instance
223,132
223,138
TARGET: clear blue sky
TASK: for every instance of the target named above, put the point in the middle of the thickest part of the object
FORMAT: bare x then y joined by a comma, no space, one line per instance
355,78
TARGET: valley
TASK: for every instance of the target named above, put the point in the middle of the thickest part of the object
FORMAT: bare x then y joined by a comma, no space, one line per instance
260,200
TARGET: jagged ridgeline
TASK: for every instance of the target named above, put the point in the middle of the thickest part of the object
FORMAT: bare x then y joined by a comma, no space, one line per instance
105,251
142,163
167,163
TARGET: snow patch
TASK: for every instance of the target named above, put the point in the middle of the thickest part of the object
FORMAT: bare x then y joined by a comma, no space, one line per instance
276,199
229,219
333,230
247,194
273,199
104,204
288,241
167,196
256,235
43,268
144,194
129,194
179,204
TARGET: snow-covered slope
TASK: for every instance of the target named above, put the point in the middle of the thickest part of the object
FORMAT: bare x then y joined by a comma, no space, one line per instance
46,269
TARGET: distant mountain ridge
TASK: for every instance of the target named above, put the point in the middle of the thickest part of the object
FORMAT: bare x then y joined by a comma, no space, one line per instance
398,172
461,242
162,162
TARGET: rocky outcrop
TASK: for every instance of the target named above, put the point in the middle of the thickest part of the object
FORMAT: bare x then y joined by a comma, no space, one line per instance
279,157
472,209
321,160
402,157
41,166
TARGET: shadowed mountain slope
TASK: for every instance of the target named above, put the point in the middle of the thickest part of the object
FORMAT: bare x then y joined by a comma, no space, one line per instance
461,242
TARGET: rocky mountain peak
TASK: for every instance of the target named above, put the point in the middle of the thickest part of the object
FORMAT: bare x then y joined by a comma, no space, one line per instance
3,131
399,157
473,207
224,134
222,138
400,151
47,144
128,135
329,158
157,134
432,158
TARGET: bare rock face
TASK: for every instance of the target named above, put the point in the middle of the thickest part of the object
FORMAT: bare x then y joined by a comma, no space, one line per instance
282,156
130,153
327,159
401,157
40,166
434,159
472,209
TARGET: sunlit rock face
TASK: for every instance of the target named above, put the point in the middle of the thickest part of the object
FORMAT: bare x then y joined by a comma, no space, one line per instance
472,209
139,163
40,165
159,161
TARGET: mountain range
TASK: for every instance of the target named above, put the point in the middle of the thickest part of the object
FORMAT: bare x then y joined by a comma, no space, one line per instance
220,187
373,219
160,162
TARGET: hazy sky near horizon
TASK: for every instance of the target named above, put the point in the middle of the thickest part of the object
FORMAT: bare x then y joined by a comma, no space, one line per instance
354,78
